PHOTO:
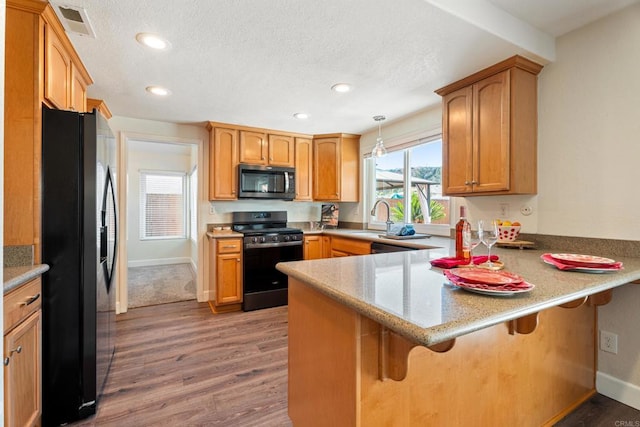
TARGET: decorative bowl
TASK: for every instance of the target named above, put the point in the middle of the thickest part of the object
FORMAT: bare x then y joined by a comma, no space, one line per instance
508,233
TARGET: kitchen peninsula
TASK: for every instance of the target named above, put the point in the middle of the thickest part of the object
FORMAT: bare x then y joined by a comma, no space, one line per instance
382,340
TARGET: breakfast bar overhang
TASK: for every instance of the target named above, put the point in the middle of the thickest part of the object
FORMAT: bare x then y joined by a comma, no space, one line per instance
382,340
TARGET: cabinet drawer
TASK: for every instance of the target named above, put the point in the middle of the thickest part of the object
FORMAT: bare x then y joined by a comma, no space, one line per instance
350,246
21,302
227,246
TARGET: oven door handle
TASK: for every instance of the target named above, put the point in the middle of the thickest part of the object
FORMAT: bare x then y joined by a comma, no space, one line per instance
271,245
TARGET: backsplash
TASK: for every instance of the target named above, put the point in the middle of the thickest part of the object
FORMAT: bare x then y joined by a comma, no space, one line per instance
18,256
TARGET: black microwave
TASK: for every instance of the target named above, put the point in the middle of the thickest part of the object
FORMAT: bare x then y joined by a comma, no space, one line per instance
266,182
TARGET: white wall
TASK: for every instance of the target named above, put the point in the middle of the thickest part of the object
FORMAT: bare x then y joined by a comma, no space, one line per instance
589,154
163,157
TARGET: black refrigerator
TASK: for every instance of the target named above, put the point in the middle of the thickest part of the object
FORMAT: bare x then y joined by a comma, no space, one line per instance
79,243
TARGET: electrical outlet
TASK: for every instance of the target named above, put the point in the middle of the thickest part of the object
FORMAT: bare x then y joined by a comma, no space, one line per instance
526,210
609,342
504,210
212,209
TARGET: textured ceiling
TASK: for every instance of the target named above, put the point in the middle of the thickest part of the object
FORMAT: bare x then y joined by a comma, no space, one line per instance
258,62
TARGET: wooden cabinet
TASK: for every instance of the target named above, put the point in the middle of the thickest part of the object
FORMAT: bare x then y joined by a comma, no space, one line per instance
230,145
336,168
304,167
40,62
22,355
312,248
348,247
326,246
489,124
253,147
226,277
223,163
281,150
100,105
260,148
65,79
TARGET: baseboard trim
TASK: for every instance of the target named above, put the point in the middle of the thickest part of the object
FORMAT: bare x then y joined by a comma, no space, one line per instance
160,261
623,392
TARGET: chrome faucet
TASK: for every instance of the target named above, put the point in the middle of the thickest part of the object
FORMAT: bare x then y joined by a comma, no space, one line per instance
373,213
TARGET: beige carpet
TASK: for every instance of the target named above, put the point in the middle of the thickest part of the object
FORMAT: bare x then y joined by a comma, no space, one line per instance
161,284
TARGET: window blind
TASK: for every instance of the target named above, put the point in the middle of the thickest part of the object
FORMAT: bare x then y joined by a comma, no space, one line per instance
162,205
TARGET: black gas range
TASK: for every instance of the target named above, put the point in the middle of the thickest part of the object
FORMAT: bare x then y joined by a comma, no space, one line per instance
267,241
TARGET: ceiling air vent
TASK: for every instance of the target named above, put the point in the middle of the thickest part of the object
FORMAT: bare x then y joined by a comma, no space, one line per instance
75,20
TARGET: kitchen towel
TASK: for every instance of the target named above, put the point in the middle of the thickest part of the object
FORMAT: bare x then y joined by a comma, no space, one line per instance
451,262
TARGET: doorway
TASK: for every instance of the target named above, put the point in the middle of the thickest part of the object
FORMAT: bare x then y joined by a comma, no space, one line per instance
160,261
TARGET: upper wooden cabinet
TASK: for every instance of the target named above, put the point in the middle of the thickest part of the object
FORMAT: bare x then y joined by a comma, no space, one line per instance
489,125
223,163
99,104
65,78
281,150
231,145
41,66
304,166
260,148
253,147
336,167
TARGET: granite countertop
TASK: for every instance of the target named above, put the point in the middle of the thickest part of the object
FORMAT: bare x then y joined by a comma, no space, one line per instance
16,276
402,291
223,234
433,242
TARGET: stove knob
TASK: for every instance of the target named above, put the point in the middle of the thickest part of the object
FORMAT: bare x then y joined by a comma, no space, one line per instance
254,240
287,238
263,239
274,238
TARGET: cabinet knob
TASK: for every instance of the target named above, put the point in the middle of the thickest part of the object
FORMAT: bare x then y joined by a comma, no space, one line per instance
233,191
467,183
474,182
238,259
6,361
262,158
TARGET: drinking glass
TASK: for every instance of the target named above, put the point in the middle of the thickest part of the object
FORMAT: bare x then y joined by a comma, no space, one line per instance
474,240
489,233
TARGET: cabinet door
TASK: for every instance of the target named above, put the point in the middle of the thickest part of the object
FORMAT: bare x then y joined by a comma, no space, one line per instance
491,119
312,248
223,164
228,278
281,150
57,71
304,165
253,148
326,247
22,373
326,170
457,147
78,96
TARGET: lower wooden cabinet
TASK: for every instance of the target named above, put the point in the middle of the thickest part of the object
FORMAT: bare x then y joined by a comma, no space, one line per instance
348,247
312,248
22,355
226,277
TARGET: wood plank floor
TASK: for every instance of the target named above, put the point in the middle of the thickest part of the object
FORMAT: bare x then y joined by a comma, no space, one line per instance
179,365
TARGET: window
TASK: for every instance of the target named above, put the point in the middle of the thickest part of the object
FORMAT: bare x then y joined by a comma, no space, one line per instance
413,168
162,205
193,204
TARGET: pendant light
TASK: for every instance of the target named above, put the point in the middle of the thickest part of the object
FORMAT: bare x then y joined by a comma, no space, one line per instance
379,150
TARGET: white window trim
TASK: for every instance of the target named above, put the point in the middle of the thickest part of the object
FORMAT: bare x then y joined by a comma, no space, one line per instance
396,144
193,210
184,205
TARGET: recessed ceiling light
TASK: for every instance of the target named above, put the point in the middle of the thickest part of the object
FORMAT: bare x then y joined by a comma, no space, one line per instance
153,41
158,90
301,116
341,87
